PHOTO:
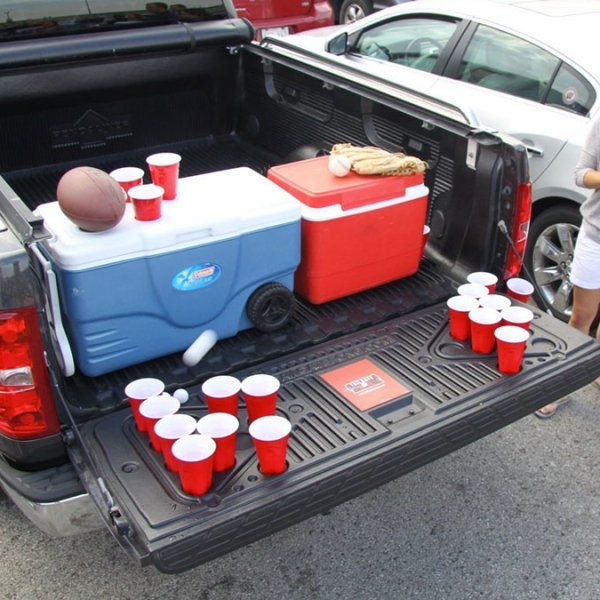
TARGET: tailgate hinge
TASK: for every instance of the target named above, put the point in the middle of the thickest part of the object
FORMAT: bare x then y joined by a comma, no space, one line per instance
58,335
485,136
120,523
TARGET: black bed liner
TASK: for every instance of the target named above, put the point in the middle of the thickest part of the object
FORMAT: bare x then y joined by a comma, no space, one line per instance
202,155
311,325
336,451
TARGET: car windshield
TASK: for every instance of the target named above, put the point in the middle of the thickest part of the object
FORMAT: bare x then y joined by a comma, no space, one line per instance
24,20
412,41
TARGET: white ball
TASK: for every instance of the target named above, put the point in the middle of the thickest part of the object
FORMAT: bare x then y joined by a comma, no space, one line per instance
339,165
181,395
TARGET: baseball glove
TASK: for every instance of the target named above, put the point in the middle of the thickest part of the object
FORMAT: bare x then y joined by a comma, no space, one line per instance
370,160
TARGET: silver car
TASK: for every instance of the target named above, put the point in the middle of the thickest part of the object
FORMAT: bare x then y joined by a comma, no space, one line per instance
525,67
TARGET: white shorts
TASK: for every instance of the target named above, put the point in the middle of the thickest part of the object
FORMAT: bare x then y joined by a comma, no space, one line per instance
585,268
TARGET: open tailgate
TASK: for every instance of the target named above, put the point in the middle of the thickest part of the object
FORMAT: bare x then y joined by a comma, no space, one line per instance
440,397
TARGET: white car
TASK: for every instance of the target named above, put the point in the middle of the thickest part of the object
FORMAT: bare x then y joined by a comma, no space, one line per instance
529,68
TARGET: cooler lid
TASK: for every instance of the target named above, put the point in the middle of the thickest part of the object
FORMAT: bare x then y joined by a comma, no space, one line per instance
208,208
314,185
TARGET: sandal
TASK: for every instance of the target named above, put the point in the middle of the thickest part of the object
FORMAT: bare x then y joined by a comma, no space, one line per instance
545,412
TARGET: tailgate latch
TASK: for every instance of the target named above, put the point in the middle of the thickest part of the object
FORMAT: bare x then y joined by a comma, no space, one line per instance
120,523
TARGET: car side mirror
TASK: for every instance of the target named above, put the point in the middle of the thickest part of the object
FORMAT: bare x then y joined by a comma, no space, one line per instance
338,45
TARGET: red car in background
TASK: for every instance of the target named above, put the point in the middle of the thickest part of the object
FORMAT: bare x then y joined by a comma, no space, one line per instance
280,17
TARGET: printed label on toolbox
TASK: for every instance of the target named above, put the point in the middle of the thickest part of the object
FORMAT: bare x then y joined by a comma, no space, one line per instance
364,384
195,277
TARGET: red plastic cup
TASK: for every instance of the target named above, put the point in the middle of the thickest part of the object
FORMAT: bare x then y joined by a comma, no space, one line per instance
484,278
195,456
495,301
147,200
426,232
222,428
168,430
260,394
518,316
222,394
484,322
137,391
154,408
511,342
128,177
270,436
519,289
475,290
164,171
459,308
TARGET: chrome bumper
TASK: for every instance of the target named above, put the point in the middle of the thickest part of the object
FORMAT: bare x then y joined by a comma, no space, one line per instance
62,518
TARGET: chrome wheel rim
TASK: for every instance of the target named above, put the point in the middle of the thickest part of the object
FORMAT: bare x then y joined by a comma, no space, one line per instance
551,260
354,13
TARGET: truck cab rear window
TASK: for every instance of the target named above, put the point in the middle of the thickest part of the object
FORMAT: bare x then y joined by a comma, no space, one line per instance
27,20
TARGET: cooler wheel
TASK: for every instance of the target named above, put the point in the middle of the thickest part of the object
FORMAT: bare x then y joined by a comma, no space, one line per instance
271,306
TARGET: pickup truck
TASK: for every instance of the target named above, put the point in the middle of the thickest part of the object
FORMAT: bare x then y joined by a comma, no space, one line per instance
109,95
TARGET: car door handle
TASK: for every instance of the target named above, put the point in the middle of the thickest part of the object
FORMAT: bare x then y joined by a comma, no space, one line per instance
535,151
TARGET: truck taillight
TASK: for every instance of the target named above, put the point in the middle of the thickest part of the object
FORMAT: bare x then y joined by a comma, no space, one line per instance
520,231
26,406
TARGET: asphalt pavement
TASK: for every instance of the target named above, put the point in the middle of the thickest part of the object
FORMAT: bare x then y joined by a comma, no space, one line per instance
513,516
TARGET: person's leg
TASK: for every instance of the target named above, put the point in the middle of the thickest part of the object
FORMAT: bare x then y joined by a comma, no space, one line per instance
585,309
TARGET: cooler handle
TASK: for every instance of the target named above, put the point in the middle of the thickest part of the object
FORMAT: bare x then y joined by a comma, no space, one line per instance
348,203
64,353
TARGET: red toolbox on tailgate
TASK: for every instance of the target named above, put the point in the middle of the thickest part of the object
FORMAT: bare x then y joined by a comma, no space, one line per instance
358,231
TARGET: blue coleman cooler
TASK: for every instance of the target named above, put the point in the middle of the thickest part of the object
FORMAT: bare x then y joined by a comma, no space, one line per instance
144,289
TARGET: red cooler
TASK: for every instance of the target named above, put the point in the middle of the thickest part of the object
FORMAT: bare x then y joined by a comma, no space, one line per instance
358,231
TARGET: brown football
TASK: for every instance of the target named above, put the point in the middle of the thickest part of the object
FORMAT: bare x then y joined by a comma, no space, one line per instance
91,198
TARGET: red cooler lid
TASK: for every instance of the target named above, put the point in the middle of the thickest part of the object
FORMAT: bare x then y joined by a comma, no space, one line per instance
311,182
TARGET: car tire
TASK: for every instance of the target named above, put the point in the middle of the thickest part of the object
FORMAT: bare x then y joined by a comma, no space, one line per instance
548,258
271,306
353,10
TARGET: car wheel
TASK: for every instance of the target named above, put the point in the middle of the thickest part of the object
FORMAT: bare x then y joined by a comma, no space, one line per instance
271,306
353,10
548,258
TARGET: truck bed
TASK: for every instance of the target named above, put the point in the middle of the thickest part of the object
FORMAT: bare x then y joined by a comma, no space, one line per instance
311,324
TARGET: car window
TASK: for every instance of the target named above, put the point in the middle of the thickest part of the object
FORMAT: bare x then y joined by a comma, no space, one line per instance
506,63
571,91
415,42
